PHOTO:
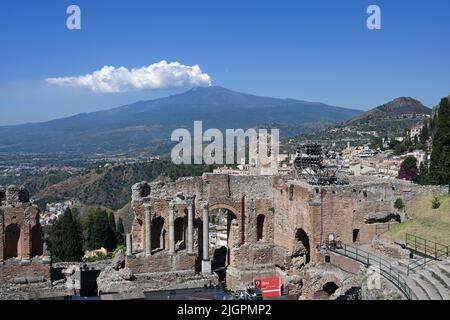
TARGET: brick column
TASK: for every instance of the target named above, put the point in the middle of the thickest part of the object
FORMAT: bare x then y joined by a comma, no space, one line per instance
148,229
206,262
129,244
171,227
190,229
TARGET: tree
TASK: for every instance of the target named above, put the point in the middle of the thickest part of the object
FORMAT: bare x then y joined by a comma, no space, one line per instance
65,239
398,204
408,169
112,221
99,232
424,135
120,233
422,175
440,155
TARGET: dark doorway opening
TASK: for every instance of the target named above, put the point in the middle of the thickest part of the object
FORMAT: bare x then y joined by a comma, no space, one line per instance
158,233
36,241
328,289
12,236
179,234
302,237
221,220
355,235
260,227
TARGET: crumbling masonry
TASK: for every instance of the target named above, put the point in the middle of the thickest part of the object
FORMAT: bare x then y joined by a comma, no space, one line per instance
275,226
22,255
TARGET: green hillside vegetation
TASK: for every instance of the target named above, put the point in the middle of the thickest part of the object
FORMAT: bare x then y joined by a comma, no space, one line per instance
111,187
426,222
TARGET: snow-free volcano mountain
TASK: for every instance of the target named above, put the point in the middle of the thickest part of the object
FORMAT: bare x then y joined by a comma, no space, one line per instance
147,125
395,108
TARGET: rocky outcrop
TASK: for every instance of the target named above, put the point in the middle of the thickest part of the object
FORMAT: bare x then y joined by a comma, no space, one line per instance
116,275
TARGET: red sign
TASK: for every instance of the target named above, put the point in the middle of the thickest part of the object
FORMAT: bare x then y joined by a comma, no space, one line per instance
270,287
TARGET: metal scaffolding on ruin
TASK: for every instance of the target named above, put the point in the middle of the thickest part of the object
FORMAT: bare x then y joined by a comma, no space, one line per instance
309,165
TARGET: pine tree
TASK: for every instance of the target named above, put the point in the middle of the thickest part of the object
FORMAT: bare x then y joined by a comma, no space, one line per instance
65,238
120,233
440,155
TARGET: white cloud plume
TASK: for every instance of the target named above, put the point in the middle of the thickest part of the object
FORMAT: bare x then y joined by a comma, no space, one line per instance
161,75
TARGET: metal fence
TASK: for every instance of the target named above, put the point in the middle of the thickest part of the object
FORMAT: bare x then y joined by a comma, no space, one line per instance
427,249
370,259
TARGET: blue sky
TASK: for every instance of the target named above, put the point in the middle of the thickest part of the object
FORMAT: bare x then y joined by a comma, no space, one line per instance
310,50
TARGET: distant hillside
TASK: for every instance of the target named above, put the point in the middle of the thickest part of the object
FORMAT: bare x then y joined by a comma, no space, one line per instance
388,120
110,187
147,125
396,108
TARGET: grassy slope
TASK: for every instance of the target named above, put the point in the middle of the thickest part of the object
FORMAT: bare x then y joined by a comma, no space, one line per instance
426,222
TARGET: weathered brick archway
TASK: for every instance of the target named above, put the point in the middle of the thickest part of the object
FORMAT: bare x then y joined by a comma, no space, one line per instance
22,252
277,223
192,200
20,230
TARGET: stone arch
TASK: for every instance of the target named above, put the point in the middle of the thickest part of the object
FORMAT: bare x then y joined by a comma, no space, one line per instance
224,206
158,233
12,237
145,190
327,290
260,227
221,255
302,244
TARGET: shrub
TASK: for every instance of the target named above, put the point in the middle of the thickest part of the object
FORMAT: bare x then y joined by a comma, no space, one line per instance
435,203
398,204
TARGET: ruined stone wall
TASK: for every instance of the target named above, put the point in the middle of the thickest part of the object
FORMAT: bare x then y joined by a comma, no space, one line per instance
20,230
25,272
162,263
245,197
297,219
363,205
22,259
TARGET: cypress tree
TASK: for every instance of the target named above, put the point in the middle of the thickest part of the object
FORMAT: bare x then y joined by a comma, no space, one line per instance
112,222
99,231
440,155
424,135
120,233
65,239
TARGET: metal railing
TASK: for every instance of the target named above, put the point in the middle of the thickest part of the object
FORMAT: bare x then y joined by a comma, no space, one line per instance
369,259
427,249
380,229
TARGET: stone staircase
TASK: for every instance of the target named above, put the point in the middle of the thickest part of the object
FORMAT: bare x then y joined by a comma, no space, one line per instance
431,282
428,282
